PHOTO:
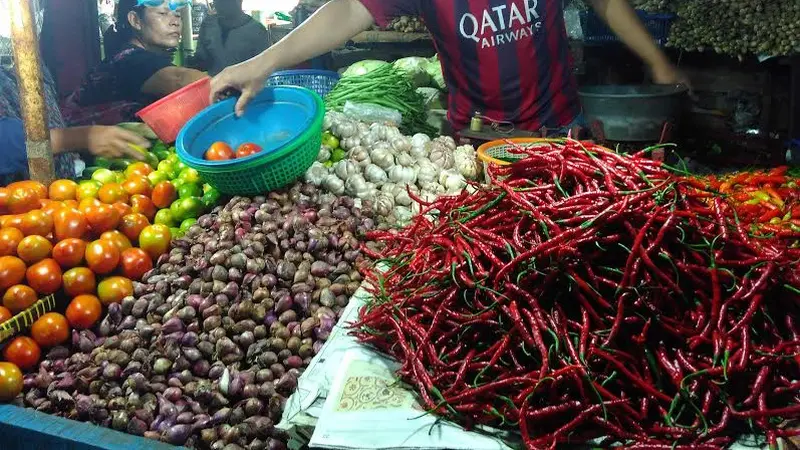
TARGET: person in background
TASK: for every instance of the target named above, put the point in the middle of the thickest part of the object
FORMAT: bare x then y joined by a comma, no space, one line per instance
228,37
138,69
508,59
111,142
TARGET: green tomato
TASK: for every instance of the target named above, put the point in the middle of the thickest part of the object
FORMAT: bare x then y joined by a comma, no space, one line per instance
189,175
164,217
176,232
180,166
104,176
88,189
189,190
208,188
161,155
211,198
172,158
330,140
177,182
168,168
151,159
120,177
187,208
328,164
186,224
338,155
157,177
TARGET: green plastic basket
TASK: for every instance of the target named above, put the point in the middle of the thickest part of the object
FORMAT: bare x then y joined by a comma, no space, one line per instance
262,173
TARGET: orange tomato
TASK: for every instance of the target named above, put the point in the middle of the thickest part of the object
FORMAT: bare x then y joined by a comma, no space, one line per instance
22,351
19,297
87,204
36,222
247,149
22,200
164,194
138,168
155,240
135,262
137,185
35,186
70,204
219,151
3,200
132,225
44,276
119,239
50,330
69,223
102,256
69,252
12,271
114,289
84,311
123,208
50,207
33,249
143,205
79,281
111,193
11,220
102,218
5,314
10,381
63,190
9,240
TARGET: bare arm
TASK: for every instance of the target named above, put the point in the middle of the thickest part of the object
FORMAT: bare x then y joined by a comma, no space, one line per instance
111,142
329,28
170,79
623,20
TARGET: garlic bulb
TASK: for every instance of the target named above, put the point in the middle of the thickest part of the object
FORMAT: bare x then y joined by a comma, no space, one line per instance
448,142
402,214
452,181
403,175
327,122
442,158
362,128
389,188
465,162
400,144
324,153
358,154
418,152
333,184
345,129
419,140
345,168
427,172
382,157
433,187
316,173
375,174
384,204
356,185
403,199
404,159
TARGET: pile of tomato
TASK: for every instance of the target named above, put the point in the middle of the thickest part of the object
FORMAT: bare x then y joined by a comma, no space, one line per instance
220,151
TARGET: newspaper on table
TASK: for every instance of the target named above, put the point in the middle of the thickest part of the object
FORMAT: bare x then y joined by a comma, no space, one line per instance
350,398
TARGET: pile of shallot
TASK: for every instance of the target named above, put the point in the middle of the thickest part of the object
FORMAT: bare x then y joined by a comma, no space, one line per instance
382,166
213,341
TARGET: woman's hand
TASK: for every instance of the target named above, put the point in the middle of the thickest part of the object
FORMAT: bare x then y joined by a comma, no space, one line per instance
115,142
247,77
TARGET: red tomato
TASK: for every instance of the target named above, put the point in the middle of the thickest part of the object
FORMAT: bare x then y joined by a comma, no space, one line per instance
118,239
78,281
247,149
103,218
5,314
114,289
36,222
143,205
135,262
84,311
9,240
69,252
22,200
219,151
10,381
154,240
132,225
50,330
69,223
63,190
102,256
18,298
38,188
12,271
137,185
44,276
22,351
164,194
32,249
123,208
138,168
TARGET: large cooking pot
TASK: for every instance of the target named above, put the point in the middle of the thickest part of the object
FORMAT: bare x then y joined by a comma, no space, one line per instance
632,113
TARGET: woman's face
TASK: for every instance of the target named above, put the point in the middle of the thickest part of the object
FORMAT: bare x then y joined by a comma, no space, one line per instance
157,27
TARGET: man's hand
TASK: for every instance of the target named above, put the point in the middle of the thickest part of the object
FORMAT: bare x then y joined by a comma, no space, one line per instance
115,142
669,74
247,77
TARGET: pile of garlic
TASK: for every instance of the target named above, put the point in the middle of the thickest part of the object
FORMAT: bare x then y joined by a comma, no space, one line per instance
382,166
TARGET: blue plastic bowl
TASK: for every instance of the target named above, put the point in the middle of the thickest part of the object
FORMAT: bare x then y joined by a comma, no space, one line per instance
285,121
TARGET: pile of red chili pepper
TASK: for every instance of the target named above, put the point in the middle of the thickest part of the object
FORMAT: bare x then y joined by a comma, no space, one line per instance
587,296
768,200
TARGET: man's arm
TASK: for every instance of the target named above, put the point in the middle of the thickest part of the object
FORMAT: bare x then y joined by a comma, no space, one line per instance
170,79
623,20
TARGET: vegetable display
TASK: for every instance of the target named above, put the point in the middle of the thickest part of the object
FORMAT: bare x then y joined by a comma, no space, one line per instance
212,341
381,165
586,296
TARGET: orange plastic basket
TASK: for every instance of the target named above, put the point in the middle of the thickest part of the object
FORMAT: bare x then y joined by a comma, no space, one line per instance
167,116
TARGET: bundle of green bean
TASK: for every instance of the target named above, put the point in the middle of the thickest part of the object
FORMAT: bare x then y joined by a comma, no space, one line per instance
387,87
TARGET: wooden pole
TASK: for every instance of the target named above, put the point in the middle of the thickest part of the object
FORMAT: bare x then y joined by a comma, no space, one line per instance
27,63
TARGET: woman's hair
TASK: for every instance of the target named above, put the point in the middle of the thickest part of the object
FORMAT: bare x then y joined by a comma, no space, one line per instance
120,34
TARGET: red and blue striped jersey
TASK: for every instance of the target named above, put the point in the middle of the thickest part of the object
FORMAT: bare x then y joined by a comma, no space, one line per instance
508,59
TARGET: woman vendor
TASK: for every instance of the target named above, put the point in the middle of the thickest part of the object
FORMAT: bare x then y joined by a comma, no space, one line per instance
138,69
107,141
